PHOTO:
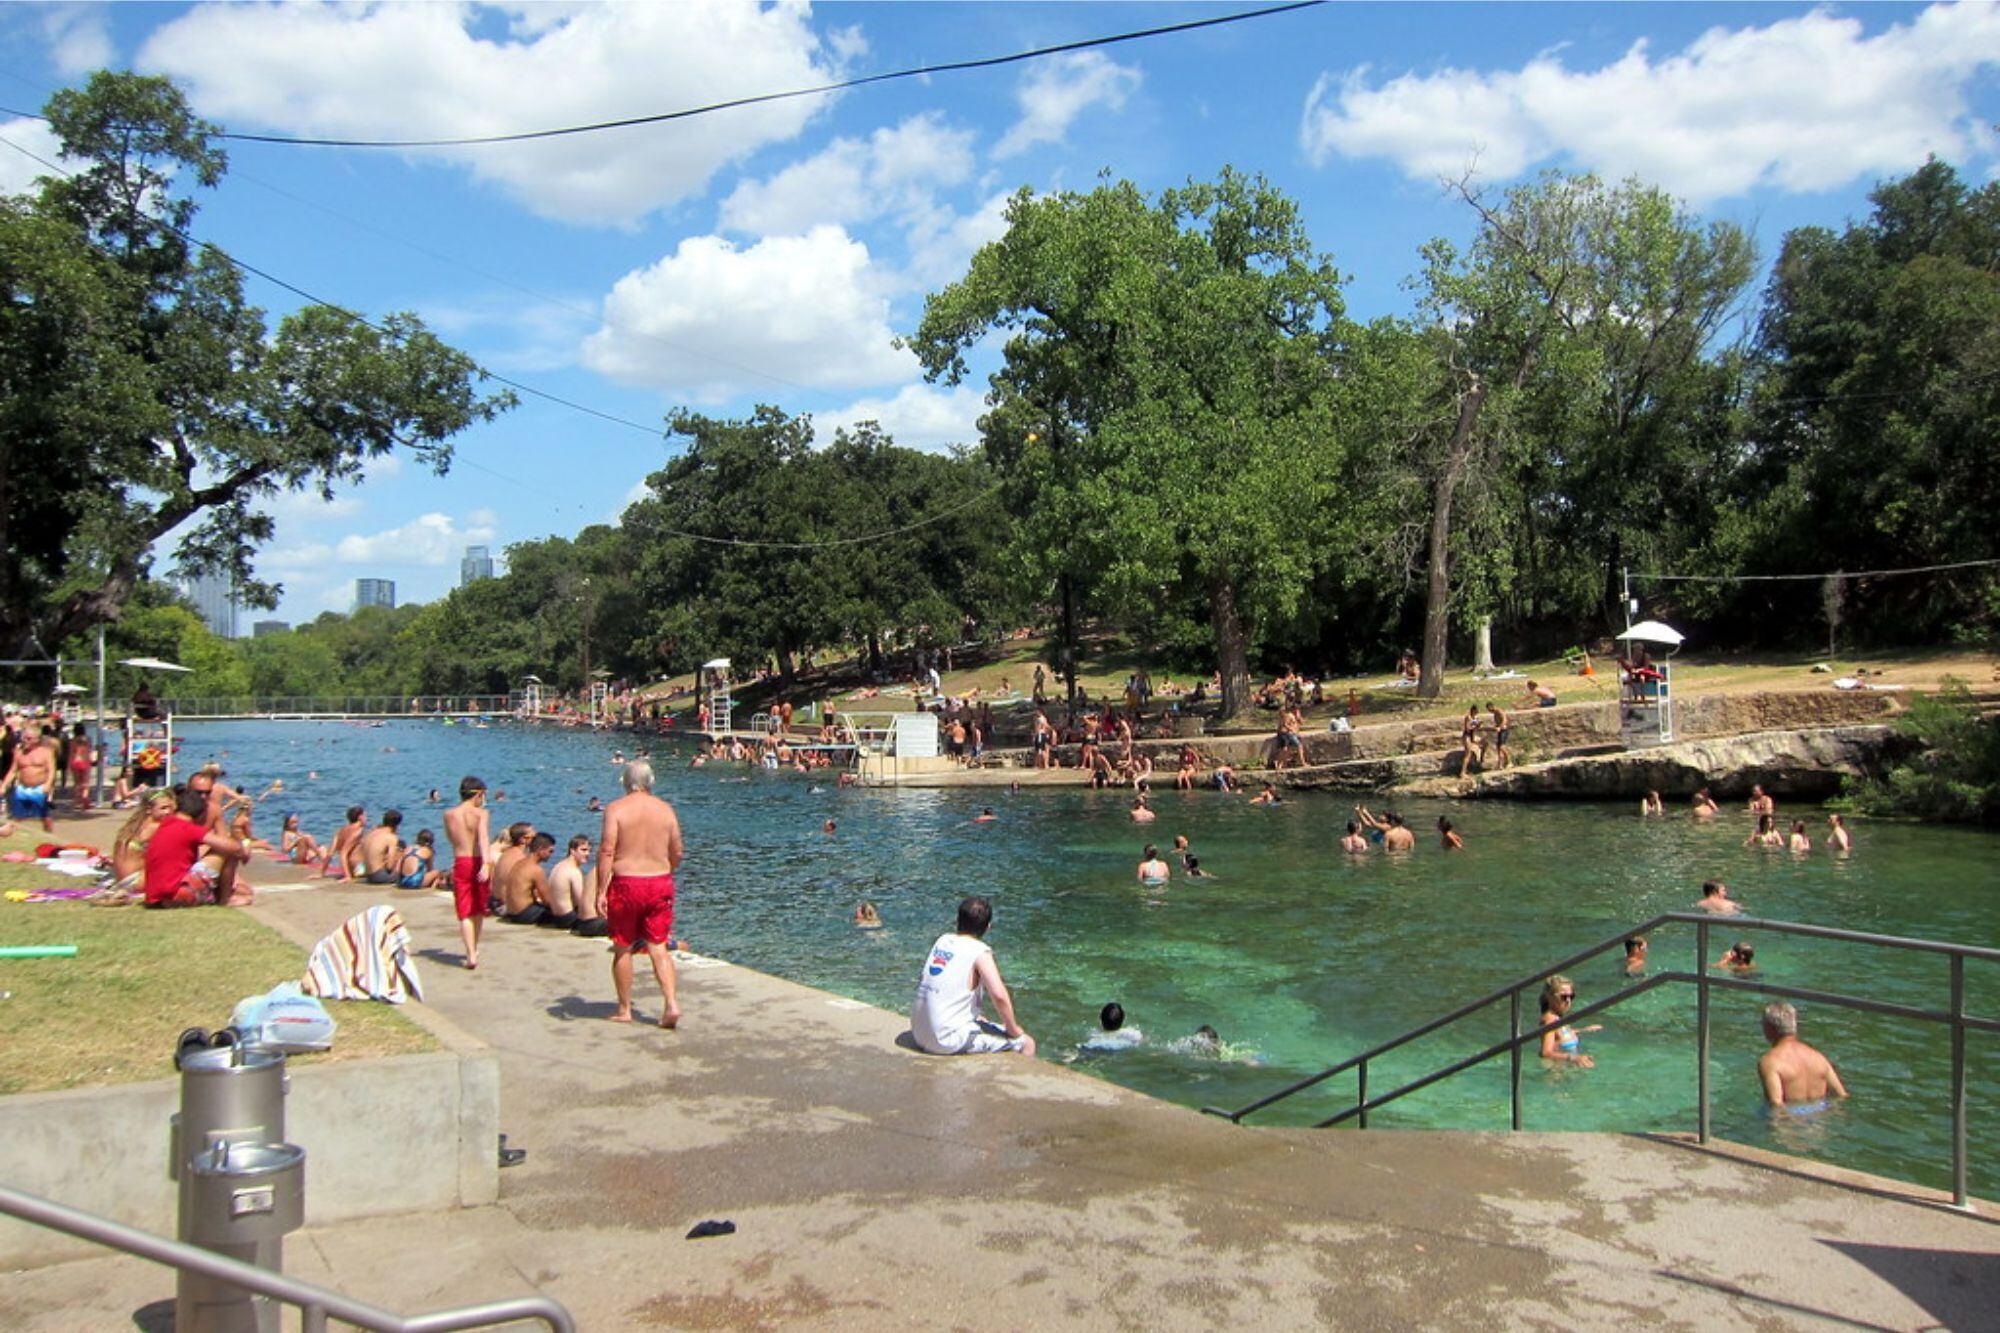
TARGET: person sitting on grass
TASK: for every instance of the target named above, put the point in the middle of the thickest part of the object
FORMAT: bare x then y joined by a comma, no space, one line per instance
187,863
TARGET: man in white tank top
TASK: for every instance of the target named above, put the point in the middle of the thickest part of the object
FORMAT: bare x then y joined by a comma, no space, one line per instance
960,967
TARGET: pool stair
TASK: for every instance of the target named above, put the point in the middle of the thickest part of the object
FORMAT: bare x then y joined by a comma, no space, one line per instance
1706,981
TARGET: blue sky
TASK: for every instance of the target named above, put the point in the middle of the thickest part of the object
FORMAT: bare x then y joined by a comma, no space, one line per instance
771,254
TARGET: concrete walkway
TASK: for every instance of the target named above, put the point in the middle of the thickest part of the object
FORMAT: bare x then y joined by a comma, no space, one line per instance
874,1187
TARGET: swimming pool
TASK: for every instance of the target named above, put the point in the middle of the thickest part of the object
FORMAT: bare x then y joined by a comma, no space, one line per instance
1298,955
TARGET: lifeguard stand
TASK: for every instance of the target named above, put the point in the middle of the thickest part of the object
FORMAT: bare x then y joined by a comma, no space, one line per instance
599,692
716,672
531,697
1646,690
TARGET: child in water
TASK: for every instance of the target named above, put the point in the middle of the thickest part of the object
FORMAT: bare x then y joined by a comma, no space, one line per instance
1113,1034
866,917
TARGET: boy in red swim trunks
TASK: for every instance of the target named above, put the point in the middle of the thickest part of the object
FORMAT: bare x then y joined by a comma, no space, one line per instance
637,855
466,825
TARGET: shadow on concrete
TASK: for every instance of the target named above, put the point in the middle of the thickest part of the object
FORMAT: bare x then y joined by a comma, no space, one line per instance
1773,1303
1959,1288
1841,1179
443,957
573,1007
155,1318
908,1041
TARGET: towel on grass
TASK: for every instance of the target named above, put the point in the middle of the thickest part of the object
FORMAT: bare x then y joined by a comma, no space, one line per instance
368,958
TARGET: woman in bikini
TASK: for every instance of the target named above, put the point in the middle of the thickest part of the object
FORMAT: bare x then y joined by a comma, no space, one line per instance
296,845
1563,1043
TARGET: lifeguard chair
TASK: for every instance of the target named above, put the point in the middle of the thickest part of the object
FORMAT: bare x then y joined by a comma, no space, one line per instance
716,673
1646,683
530,697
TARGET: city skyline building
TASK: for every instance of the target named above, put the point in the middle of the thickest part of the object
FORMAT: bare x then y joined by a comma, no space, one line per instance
374,592
477,564
263,627
214,598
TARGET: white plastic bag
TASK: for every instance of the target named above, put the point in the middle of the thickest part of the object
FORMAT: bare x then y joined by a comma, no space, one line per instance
284,1019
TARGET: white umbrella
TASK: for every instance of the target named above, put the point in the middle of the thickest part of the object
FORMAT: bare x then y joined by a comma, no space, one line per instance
69,689
1654,631
719,664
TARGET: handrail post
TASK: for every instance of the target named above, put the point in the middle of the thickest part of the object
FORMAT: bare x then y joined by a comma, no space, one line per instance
1958,1164
1514,1031
1701,1030
1361,1094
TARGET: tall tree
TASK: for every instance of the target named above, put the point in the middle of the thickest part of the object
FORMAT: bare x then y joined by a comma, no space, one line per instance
1164,411
145,395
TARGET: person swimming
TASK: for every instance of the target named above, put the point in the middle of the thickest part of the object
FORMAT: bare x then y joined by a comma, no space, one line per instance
1113,1035
1449,836
866,917
1192,864
1152,870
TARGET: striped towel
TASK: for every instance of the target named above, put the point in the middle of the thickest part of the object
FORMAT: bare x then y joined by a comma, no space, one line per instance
368,958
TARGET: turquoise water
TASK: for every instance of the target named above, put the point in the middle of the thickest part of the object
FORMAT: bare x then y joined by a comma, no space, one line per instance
1299,956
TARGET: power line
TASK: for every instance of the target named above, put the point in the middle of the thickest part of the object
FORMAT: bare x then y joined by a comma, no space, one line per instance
543,394
1831,574
946,67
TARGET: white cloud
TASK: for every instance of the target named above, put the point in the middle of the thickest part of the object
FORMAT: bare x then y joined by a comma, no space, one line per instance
1054,92
942,242
439,71
1804,104
918,416
892,171
428,539
79,38
18,171
713,319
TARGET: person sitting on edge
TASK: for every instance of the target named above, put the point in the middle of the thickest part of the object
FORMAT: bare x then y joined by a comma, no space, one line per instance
524,886
1635,955
1152,870
187,863
1397,837
340,853
417,867
1224,778
1796,1078
1715,898
1353,841
564,886
959,969
1837,839
381,848
1190,768
1543,696
1739,958
1113,1035
298,846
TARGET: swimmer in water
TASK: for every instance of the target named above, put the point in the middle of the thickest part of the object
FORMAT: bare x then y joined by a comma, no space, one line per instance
829,828
1563,1043
1449,837
866,917
1268,796
1760,803
1651,804
1837,840
1152,870
434,798
1796,1078
1740,958
1766,834
1205,1041
1398,837
1353,842
1705,806
1182,847
1141,813
985,815
1193,867
1635,956
593,805
1112,1033
1715,898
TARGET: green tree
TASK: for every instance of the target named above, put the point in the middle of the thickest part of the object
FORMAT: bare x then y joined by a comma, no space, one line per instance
146,397
1164,413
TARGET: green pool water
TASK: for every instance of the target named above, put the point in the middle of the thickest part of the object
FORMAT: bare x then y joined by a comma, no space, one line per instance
1297,954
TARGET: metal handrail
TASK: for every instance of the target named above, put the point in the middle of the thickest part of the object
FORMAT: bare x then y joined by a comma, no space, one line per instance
1955,1017
315,1304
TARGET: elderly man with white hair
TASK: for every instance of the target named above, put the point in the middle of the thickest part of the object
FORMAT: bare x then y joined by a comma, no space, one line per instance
636,857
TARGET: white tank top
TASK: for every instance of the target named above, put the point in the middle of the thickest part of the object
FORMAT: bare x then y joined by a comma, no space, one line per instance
943,1017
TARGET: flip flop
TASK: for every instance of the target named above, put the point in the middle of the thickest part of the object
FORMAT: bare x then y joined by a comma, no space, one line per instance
511,1156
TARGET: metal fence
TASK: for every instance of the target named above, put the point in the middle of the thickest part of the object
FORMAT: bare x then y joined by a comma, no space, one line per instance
343,705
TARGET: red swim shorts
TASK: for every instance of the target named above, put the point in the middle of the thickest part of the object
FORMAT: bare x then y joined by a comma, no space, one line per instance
468,895
639,909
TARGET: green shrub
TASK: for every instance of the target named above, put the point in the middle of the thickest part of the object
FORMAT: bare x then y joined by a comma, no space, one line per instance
1954,774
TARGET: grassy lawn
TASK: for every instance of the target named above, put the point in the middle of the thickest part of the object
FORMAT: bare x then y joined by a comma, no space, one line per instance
111,1014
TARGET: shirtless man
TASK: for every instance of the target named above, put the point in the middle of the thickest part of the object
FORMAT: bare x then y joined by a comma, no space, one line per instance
1353,841
1542,695
1715,898
572,897
1705,806
1398,838
30,780
341,860
1499,729
465,825
1761,802
1837,839
524,888
381,849
1141,813
1796,1078
513,850
639,851
1045,734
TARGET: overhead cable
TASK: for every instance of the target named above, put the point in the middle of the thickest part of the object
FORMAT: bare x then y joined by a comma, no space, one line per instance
1830,574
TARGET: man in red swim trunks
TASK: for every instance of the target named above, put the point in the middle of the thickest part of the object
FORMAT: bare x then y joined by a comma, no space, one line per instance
637,855
465,824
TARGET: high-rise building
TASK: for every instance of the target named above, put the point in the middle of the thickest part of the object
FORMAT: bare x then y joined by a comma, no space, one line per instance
476,565
263,627
374,592
214,598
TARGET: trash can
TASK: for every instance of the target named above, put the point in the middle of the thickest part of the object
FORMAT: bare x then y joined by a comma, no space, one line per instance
239,1199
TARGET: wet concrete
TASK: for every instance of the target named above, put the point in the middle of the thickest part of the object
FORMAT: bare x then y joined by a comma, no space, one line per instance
876,1187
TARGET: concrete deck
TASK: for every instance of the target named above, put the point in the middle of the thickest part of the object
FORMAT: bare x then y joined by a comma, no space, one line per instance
875,1187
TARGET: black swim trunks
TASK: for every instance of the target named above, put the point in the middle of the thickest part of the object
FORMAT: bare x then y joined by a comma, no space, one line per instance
386,875
530,915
